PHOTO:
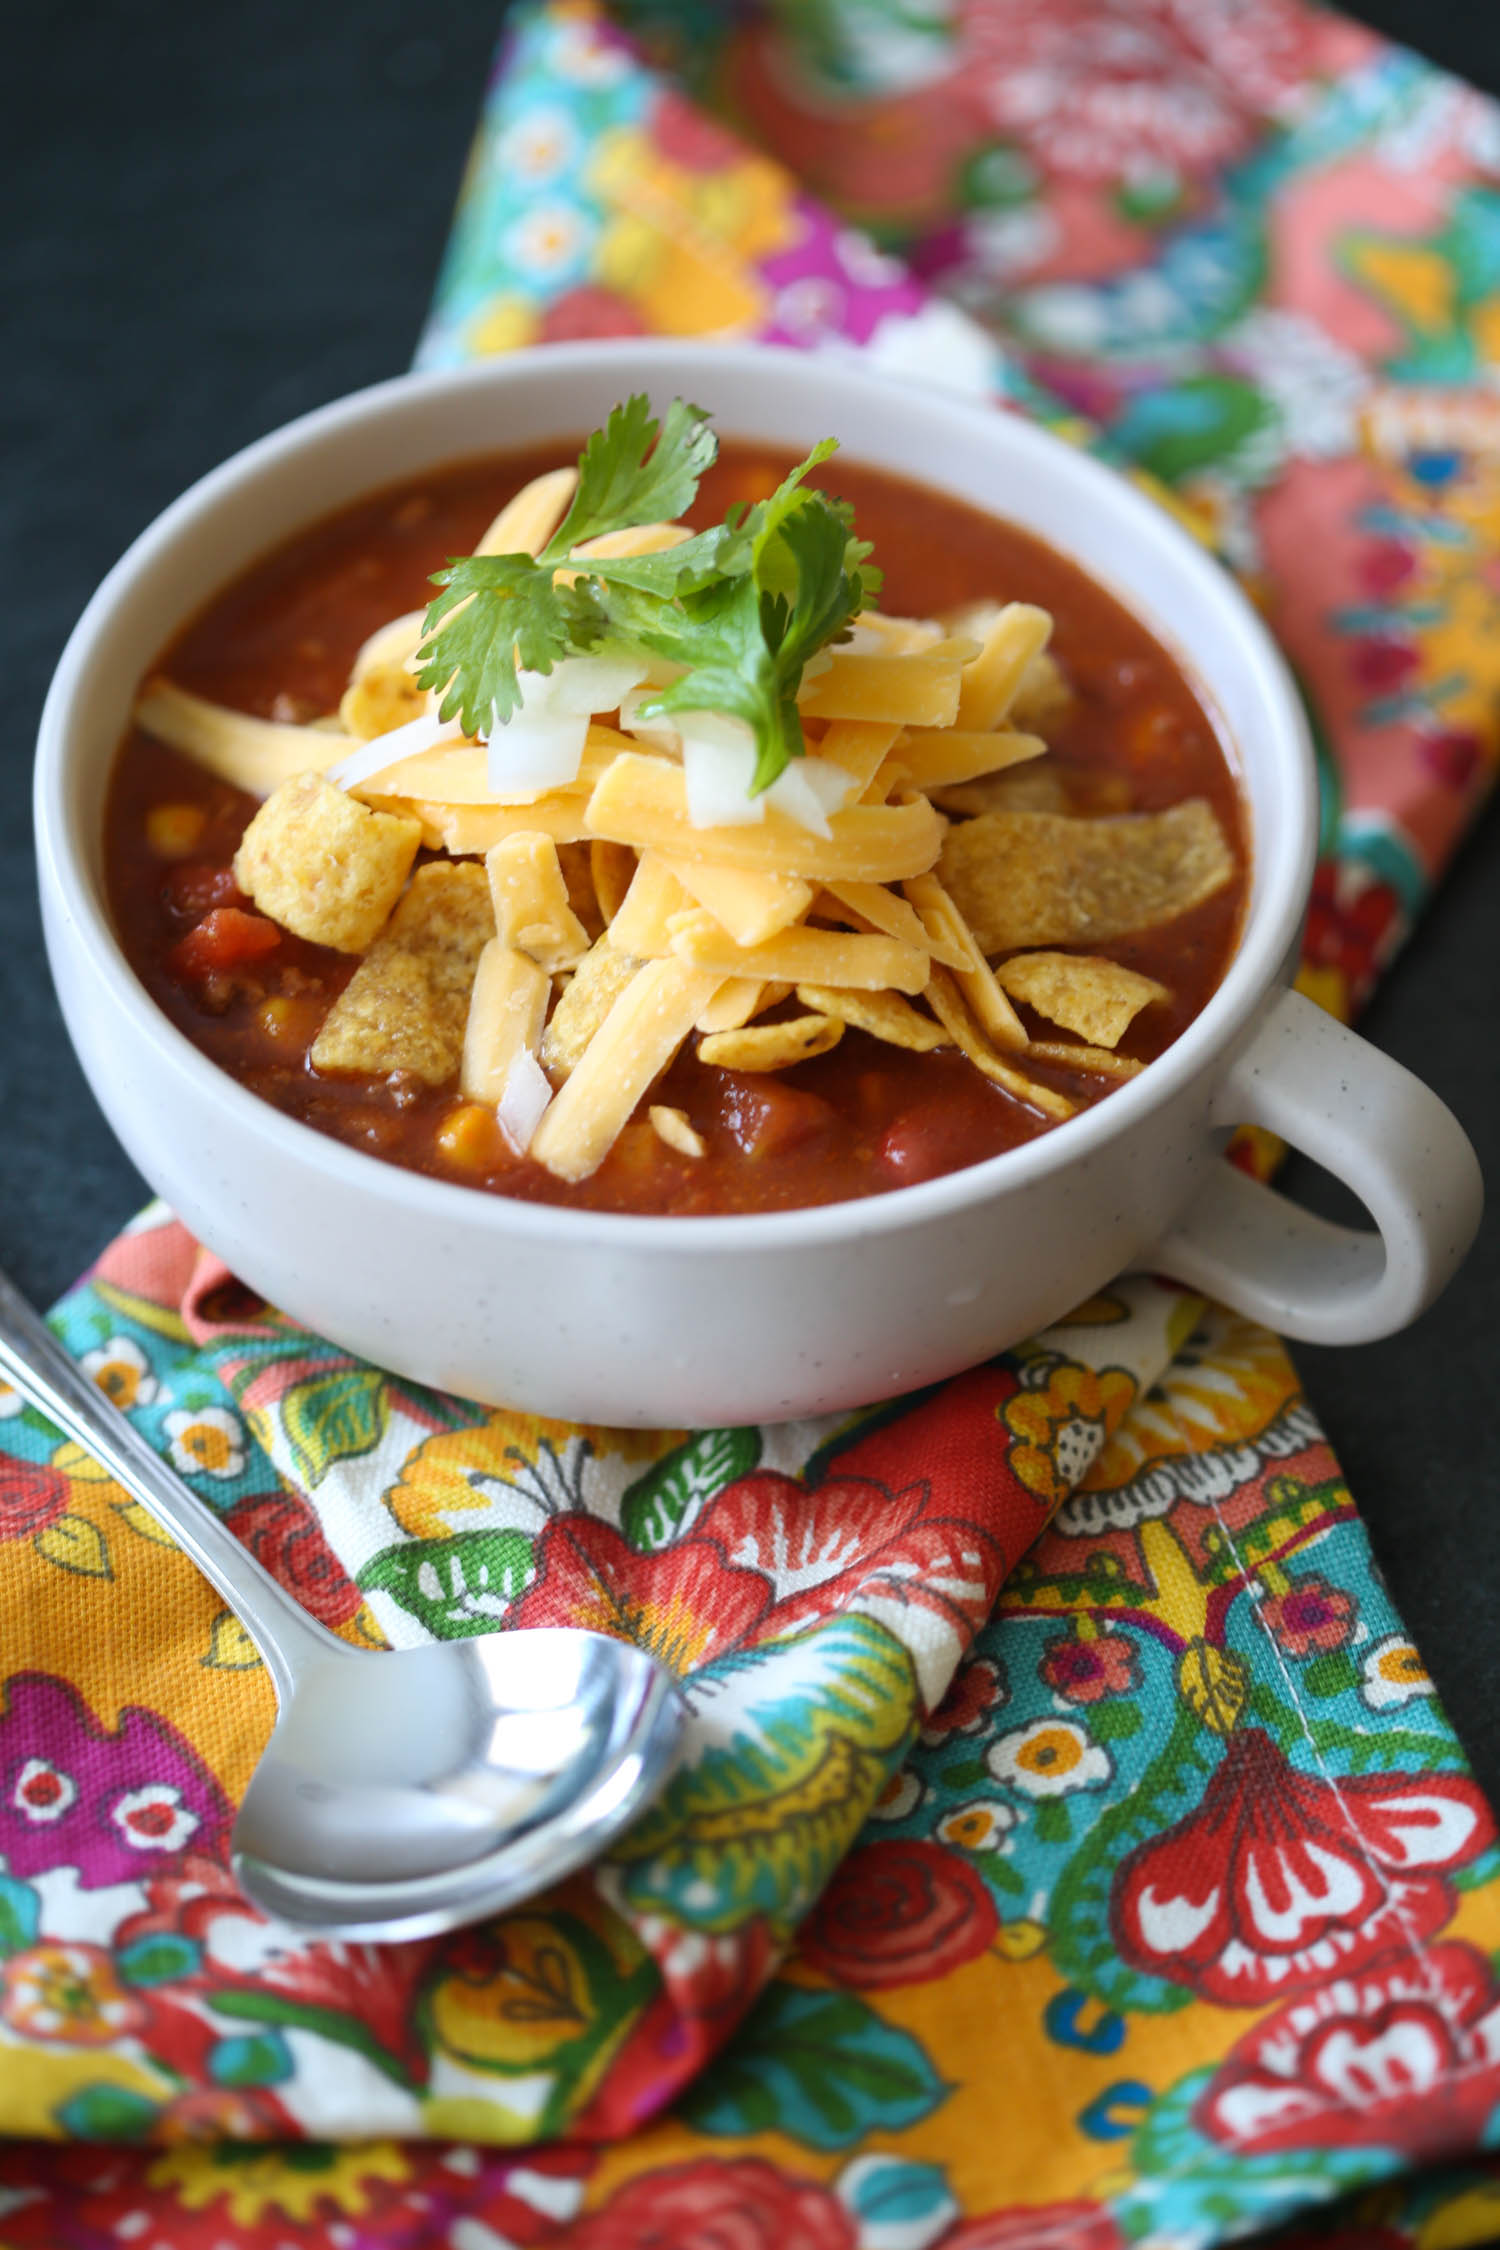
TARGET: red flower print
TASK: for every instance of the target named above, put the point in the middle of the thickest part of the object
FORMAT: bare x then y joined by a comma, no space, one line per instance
916,1563
900,1912
1039,2226
687,1604
850,1544
1280,1880
283,1532
1354,924
31,1497
589,311
1403,2055
687,135
1086,1671
713,2204
1310,1618
979,1687
241,1951
1101,94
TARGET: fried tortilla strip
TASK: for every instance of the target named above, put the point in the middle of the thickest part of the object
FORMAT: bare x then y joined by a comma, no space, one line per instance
771,1046
1083,992
642,801
255,755
1096,1059
865,964
1017,635
406,1006
530,899
1082,792
884,1015
324,867
582,896
636,1041
600,978
949,1008
507,1009
976,979
1032,879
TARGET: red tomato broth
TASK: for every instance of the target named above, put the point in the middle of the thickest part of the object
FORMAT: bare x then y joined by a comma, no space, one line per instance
863,1119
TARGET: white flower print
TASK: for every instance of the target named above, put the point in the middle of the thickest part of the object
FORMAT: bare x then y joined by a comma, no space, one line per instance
1392,1673
43,1792
122,1371
154,1819
1050,1758
206,1440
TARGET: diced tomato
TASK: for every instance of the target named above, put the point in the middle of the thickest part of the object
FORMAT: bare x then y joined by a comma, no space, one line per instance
197,886
926,1141
766,1118
225,939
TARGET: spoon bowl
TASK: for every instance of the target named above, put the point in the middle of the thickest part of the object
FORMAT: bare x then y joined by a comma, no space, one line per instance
394,1793
405,1793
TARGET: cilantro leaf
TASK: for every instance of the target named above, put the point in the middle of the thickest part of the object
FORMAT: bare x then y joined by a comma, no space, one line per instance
626,478
746,641
502,611
741,607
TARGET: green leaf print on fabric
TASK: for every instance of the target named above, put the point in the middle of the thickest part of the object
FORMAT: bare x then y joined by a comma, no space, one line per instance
661,1505
454,1587
335,1417
1082,1943
822,2067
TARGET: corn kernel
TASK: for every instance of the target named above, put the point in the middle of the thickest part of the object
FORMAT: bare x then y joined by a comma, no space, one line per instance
173,831
469,1136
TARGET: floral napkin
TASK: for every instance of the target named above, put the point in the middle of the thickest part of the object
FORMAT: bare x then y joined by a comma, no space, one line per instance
1070,1850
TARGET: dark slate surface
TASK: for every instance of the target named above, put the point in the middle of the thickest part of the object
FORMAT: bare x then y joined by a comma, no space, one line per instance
219,217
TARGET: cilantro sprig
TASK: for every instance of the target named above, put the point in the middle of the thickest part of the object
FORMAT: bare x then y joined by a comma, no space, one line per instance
741,607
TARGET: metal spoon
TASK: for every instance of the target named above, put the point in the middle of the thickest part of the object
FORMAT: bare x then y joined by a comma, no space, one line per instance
405,1793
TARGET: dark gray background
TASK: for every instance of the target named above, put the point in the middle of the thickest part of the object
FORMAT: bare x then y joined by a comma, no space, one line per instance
220,216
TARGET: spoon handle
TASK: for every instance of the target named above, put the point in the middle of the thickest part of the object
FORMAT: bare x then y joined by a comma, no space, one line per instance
34,1361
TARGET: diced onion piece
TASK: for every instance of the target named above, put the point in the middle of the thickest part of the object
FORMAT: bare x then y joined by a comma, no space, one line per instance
661,732
586,684
536,751
392,749
523,1105
540,746
808,791
718,763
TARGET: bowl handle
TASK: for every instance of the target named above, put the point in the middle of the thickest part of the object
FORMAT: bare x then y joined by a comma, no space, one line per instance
1373,1125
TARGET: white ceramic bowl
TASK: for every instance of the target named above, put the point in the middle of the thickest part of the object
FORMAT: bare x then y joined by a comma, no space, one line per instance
674,1321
